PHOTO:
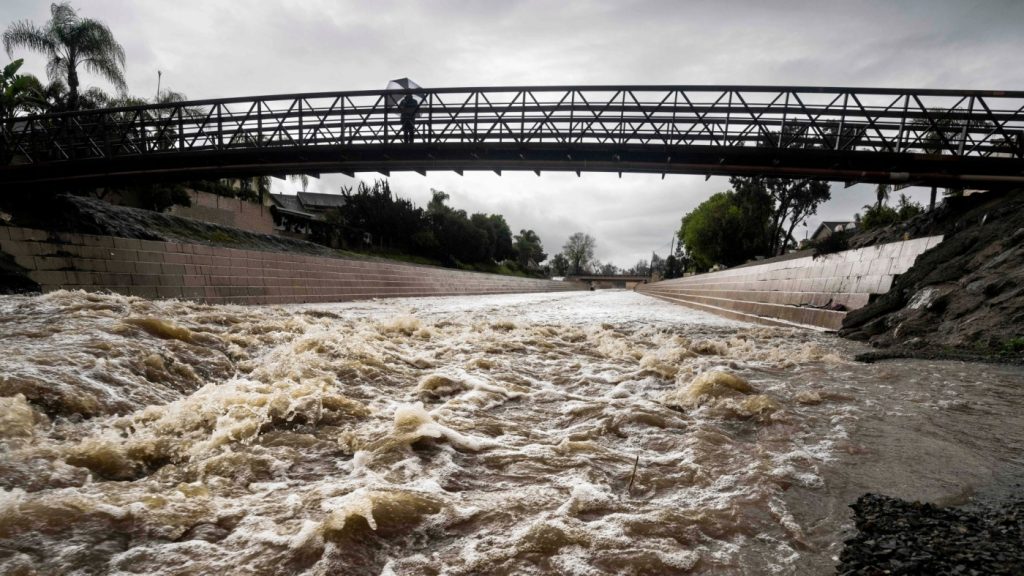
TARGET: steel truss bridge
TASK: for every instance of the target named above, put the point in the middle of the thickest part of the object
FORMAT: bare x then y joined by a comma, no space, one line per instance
963,139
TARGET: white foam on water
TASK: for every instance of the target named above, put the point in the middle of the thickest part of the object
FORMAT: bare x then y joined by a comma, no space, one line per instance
453,435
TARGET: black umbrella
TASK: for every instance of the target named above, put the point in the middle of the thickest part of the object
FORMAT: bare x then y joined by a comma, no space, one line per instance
398,89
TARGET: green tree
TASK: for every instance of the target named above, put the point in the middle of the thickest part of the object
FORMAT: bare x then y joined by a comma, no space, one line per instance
641,268
391,221
907,209
775,206
459,241
528,249
719,232
559,265
18,93
53,98
805,197
69,41
255,189
579,251
877,216
657,265
504,249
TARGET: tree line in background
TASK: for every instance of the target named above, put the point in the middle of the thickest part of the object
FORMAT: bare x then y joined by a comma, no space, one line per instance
375,218
757,216
577,258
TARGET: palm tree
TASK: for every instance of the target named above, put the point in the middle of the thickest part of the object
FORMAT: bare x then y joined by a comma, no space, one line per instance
882,194
302,179
68,42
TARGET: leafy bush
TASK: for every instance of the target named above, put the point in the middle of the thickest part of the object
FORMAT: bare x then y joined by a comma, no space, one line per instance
907,209
835,242
878,217
1013,346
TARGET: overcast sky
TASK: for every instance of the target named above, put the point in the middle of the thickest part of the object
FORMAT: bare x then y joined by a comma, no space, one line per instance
210,49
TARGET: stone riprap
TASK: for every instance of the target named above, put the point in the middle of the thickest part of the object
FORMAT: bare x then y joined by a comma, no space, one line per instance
211,274
807,291
900,537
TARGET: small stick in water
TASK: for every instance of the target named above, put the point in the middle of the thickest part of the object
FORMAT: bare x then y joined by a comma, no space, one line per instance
633,476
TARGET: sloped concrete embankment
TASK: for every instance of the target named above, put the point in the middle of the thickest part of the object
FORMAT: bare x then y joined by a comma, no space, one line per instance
806,292
212,274
963,299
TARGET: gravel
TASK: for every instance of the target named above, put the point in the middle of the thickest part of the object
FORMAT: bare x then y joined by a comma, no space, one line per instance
900,537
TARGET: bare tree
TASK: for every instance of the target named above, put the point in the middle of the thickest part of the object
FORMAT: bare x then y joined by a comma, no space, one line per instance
579,251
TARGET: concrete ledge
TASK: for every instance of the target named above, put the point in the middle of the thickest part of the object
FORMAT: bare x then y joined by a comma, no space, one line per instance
726,313
229,275
796,291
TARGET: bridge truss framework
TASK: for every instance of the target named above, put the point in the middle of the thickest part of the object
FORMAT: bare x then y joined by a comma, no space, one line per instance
926,137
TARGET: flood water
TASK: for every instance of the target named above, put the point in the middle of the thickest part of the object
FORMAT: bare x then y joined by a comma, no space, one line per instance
583,433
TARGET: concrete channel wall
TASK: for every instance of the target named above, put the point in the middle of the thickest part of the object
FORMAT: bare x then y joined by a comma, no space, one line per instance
803,291
225,275
225,211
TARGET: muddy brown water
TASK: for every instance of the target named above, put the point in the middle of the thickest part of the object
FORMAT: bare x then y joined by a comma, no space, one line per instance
478,435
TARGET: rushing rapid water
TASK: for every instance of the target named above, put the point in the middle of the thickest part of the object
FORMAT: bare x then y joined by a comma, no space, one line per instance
582,433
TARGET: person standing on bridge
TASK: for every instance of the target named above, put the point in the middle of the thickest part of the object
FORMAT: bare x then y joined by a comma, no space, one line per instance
408,108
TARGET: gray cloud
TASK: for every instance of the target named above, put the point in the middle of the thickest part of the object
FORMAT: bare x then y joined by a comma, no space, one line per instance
213,49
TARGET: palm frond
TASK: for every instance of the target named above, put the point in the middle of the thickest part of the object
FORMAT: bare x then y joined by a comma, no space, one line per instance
95,98
24,34
62,15
98,40
57,69
167,96
302,179
108,70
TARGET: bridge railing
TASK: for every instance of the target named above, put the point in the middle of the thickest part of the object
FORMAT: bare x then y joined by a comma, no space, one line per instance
966,123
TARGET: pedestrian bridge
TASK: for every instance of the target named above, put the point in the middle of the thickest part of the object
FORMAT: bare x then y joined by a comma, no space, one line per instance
969,138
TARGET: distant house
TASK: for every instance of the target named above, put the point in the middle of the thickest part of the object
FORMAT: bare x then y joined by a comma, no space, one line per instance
303,213
826,229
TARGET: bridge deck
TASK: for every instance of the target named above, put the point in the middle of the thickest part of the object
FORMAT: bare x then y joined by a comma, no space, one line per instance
937,137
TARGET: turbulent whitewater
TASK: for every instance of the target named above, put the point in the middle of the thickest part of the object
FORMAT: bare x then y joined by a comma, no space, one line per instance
581,433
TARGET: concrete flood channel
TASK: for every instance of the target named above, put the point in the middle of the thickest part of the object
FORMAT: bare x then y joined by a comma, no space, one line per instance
574,433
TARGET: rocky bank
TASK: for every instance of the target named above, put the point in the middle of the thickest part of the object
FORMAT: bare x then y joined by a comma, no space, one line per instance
962,299
899,537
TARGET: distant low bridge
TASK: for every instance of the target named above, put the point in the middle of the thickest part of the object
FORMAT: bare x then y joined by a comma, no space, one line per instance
607,280
954,138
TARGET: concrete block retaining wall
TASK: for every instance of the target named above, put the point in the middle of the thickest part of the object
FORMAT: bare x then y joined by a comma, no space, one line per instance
227,212
796,291
225,275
